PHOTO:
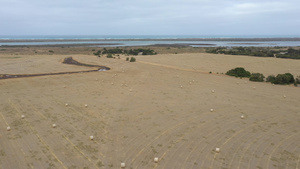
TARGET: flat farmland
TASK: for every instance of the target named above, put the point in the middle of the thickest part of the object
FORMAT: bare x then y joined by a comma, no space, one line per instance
159,106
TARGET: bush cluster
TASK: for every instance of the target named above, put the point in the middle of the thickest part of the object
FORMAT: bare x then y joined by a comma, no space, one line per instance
238,72
257,77
286,78
127,52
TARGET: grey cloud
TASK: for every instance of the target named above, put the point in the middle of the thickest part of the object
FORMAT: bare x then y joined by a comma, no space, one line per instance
148,17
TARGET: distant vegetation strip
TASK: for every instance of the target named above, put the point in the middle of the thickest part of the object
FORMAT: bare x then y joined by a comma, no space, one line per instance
126,52
278,52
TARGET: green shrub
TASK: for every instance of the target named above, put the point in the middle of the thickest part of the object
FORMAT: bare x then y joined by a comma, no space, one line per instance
271,78
257,77
238,72
132,59
297,80
98,53
286,78
127,58
109,55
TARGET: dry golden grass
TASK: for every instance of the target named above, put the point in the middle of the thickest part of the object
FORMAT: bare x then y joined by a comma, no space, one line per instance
158,106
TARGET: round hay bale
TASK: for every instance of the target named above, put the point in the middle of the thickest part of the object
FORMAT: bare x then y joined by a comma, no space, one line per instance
211,110
123,165
66,104
217,150
213,91
284,96
54,125
156,159
91,137
8,128
85,105
23,116
242,116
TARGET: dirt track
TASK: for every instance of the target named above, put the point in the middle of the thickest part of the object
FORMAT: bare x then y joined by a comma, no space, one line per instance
156,107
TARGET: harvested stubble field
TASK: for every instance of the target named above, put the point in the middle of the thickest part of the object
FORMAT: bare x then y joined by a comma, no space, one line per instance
158,106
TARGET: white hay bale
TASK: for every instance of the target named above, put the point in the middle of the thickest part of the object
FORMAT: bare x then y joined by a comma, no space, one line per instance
130,90
213,91
85,105
23,116
181,86
123,165
53,125
112,83
284,96
211,110
217,150
8,128
92,137
242,116
190,82
66,104
156,159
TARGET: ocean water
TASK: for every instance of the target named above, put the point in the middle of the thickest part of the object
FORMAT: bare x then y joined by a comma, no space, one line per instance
141,40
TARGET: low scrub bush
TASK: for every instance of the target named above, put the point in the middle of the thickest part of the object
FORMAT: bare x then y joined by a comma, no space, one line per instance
286,78
238,72
132,59
257,77
109,55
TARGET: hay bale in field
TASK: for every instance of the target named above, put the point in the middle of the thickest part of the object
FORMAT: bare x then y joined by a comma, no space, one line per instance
213,91
66,104
156,159
91,137
217,150
8,128
211,110
54,125
242,116
123,165
85,105
23,116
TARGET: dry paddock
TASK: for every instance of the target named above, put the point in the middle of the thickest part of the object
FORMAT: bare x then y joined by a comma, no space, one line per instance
158,106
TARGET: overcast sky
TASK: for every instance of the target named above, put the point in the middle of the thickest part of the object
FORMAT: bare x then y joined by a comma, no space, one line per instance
150,17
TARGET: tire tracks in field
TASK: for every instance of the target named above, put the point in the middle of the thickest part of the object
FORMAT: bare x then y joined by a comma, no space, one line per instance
40,139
